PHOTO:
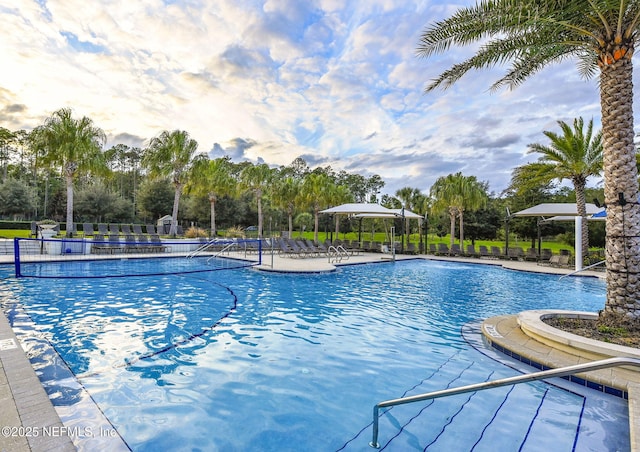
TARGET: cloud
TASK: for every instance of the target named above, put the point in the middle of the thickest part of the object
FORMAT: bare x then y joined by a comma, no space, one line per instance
337,83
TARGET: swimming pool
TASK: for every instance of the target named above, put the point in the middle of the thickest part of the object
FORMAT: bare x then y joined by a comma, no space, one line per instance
246,360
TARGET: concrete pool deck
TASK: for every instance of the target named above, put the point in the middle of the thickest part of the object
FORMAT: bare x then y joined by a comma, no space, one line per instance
30,423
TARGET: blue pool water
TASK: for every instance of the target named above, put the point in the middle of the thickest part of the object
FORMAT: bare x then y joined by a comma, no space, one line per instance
242,360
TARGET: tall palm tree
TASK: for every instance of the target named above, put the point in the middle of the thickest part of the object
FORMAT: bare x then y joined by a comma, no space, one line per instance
212,178
316,191
286,195
457,193
74,145
257,178
575,155
407,197
171,155
602,35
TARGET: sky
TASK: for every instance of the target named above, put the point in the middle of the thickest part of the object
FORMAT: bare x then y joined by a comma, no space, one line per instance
336,82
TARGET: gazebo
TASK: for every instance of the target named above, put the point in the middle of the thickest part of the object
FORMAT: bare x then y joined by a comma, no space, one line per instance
372,210
563,211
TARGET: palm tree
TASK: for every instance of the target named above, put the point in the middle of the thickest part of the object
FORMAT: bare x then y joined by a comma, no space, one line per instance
407,197
171,155
286,195
257,178
75,145
601,34
457,193
212,178
575,155
316,191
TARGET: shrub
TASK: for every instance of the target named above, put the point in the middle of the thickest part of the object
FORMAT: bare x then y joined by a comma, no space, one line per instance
195,232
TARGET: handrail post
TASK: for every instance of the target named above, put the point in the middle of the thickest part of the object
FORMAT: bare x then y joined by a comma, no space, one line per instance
374,440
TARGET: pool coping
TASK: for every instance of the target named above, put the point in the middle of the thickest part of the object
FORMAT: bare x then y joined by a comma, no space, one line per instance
526,338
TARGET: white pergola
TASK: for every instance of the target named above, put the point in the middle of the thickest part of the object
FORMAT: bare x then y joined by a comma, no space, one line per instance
563,211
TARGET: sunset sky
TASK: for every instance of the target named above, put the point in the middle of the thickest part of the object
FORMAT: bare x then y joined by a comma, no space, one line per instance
336,82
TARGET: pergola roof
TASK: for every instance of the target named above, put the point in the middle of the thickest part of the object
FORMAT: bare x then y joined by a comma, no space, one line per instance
358,208
556,209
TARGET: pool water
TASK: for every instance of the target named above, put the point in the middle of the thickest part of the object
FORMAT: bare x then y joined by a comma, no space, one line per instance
242,360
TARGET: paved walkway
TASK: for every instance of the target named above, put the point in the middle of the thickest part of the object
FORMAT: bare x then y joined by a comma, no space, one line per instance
29,422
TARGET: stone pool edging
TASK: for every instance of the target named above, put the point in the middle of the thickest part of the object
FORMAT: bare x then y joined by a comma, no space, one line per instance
528,339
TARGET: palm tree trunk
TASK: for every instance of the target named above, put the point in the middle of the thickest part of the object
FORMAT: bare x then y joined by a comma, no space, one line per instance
290,215
582,212
212,201
452,217
259,199
174,214
622,249
461,222
69,183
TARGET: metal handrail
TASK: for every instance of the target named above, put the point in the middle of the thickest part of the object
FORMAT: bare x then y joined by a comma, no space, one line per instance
201,248
560,372
230,245
583,269
337,252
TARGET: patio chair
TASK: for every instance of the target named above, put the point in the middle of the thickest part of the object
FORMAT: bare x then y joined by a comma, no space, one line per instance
531,255
103,229
432,248
130,244
496,252
443,249
151,229
515,254
483,251
471,251
98,246
455,250
114,244
156,244
34,229
114,228
87,229
126,229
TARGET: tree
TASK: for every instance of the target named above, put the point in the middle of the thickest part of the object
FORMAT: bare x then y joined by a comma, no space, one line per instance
286,195
316,191
155,197
170,155
16,198
575,155
257,179
602,35
75,145
408,197
456,193
213,178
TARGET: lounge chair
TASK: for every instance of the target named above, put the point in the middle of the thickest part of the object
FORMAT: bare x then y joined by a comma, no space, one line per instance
151,229
483,251
34,229
443,249
114,228
496,252
126,229
130,244
156,244
99,246
432,248
87,229
531,255
471,251
515,254
114,245
455,250
137,229
103,229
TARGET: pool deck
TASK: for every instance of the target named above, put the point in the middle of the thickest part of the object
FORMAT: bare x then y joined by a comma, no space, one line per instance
29,421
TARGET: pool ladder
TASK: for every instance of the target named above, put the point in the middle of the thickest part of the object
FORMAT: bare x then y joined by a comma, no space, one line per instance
560,372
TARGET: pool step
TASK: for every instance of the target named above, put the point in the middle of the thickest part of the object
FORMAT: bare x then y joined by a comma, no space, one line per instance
535,416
